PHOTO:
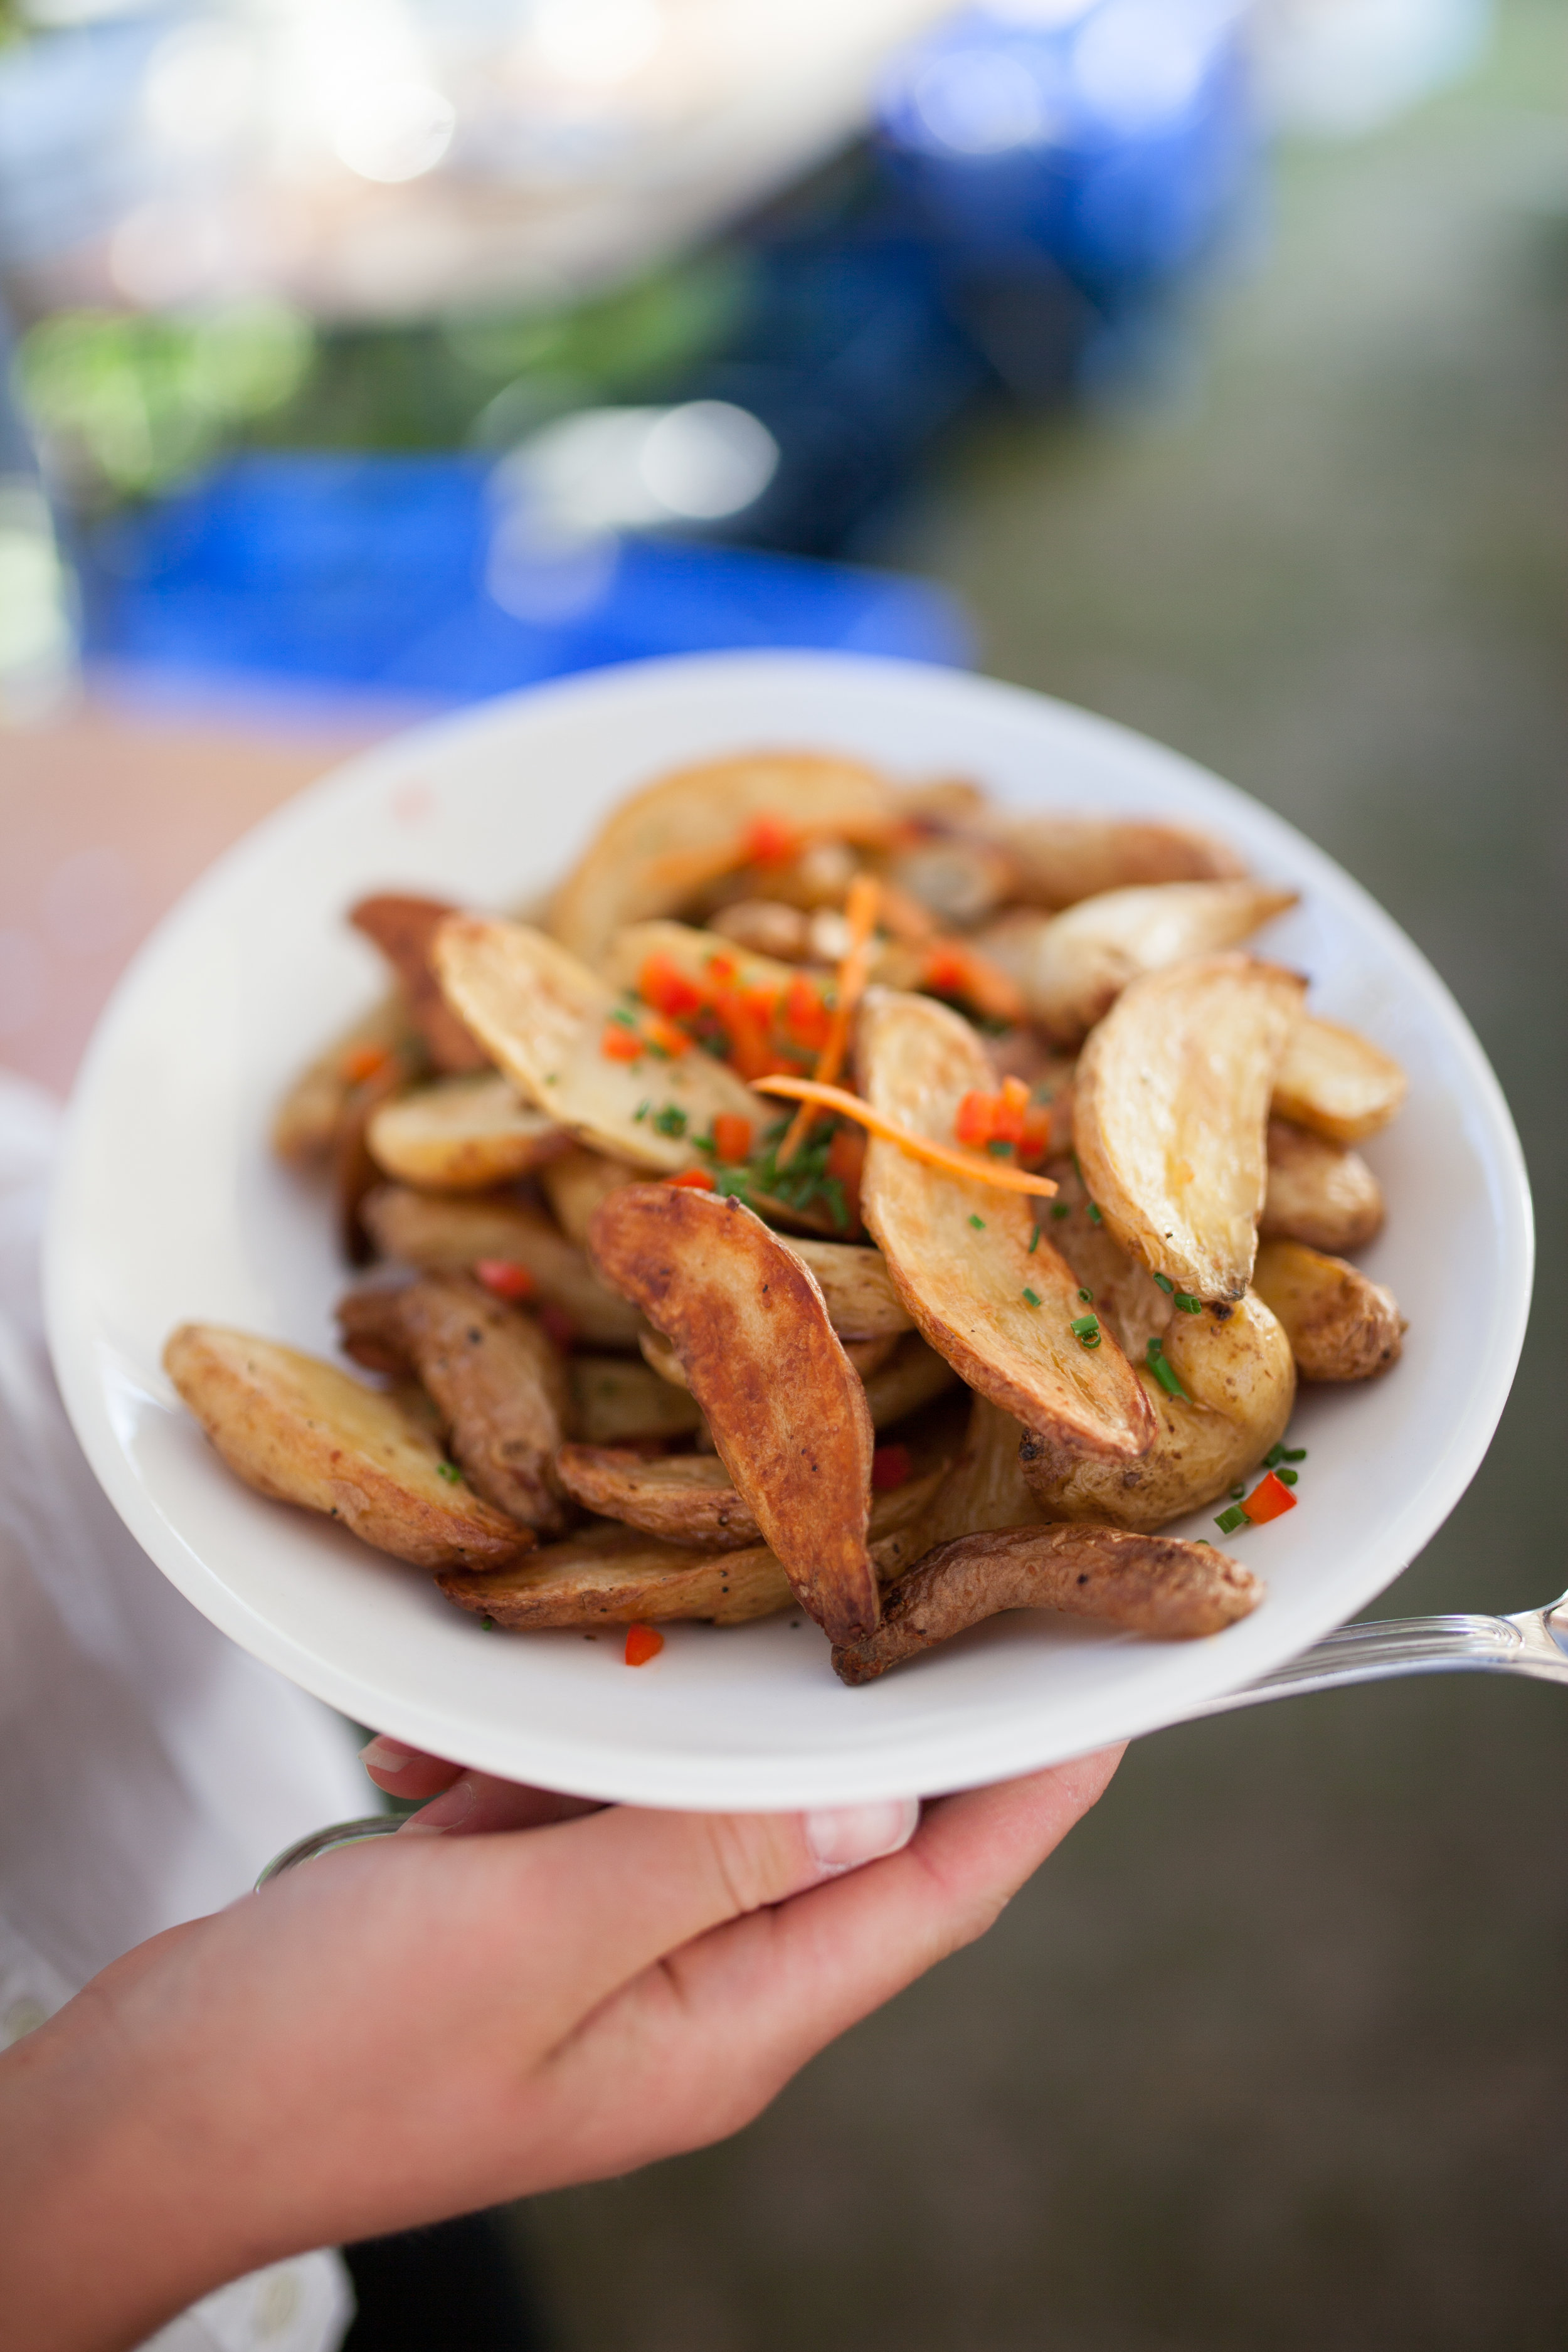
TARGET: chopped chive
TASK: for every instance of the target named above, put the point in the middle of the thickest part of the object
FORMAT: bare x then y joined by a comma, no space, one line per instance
450,1471
1034,1241
1094,1217
1294,1454
1228,1521
627,1020
1287,1477
670,1120
1204,1541
1061,1208
1087,1328
487,1624
1166,1372
1031,1298
1188,1303
1166,1285
1236,1493
978,1223
998,1148
1275,1453
642,1111
1087,1296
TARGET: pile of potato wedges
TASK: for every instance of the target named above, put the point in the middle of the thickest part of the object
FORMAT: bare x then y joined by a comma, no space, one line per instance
848,1197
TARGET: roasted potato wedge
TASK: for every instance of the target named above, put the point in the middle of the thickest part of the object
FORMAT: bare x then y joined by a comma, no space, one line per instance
1072,967
1170,1110
576,1182
309,1118
764,927
616,1401
544,1017
958,877
981,1282
861,1301
691,952
689,1497
786,1409
449,1234
1060,859
1124,1293
1337,1083
1238,1379
404,927
461,1135
494,1376
665,843
1340,1325
1319,1192
987,1487
868,1357
302,1431
1153,1585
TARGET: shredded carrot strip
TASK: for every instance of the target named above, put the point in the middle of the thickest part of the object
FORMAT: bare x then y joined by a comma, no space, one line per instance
1001,1173
861,910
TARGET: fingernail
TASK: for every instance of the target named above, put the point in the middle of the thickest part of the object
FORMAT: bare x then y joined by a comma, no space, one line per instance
861,1833
446,1811
384,1755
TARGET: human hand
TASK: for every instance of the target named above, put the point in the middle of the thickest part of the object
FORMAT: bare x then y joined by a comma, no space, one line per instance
445,2019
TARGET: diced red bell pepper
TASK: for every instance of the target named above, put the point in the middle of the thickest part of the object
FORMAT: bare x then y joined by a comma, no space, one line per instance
505,1280
974,1124
363,1062
732,1138
769,840
1270,1499
663,984
890,1468
621,1044
691,1180
805,1016
643,1642
558,1324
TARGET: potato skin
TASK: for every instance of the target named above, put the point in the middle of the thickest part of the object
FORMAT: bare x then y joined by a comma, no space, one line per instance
302,1431
403,928
1337,1082
1152,1585
1320,1192
786,1407
495,1378
687,1498
447,1233
1236,1365
1341,1326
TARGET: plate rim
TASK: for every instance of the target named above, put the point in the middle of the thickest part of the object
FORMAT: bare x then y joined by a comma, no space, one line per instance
626,1772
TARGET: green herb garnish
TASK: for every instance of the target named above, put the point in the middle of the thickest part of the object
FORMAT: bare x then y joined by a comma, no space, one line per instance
670,1120
450,1471
978,1223
1166,1285
1228,1521
1164,1371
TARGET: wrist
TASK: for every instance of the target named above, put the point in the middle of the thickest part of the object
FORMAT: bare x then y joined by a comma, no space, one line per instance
110,2224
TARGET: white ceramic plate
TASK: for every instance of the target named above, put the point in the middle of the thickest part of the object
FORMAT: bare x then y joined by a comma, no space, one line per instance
170,1206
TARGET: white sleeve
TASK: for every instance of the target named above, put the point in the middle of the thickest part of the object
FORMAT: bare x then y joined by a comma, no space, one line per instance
148,1767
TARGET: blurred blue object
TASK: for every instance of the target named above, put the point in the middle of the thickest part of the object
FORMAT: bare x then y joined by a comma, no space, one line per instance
417,575
1058,149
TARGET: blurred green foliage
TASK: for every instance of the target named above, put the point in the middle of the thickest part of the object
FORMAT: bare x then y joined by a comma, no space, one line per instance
129,405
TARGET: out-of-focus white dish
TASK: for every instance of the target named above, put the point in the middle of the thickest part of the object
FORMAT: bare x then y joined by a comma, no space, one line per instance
171,1206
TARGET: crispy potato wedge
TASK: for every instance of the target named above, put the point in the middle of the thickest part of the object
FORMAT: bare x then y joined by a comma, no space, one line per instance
302,1431
987,1487
1072,967
1319,1192
543,1015
691,952
449,1233
764,927
618,1575
576,1182
862,1303
403,929
656,850
1124,1293
1340,1325
1059,859
957,877
1235,1366
1153,1585
309,1118
786,1409
987,1291
1170,1110
913,1375
461,1135
689,1497
868,1357
495,1378
615,1402
1337,1083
